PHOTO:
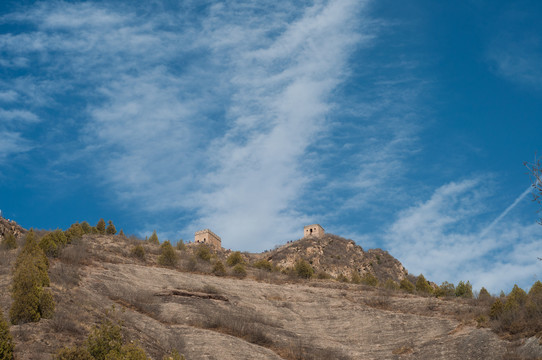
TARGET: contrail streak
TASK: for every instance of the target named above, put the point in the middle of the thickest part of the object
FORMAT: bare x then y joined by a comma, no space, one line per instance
503,214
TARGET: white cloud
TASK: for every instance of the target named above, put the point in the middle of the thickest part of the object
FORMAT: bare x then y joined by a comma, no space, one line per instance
12,143
446,239
21,115
515,50
279,108
155,86
518,62
8,96
221,114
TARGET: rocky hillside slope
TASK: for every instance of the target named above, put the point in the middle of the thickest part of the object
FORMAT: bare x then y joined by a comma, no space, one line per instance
266,315
10,226
335,255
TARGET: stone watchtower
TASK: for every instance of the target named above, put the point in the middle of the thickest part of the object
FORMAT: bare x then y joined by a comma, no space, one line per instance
209,238
313,230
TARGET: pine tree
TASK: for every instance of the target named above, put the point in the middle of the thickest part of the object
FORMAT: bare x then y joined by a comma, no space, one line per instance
75,231
6,340
29,278
53,242
104,339
445,289
180,245
111,230
219,269
406,285
9,242
240,271
203,252
422,285
235,258
100,226
464,290
355,278
168,257
484,294
87,229
303,269
26,293
154,238
369,279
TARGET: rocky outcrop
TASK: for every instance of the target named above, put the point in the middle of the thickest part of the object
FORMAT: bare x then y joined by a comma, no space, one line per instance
10,226
336,255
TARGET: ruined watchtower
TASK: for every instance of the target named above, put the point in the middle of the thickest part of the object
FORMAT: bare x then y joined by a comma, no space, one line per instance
313,230
208,237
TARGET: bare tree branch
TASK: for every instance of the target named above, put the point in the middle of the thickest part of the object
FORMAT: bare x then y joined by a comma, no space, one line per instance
535,173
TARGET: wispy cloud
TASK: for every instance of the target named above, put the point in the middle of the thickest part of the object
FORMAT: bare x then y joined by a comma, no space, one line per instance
8,96
210,112
12,143
21,115
515,50
281,98
446,239
518,61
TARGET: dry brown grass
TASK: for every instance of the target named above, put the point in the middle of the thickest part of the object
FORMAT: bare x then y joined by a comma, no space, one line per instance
298,350
76,253
378,302
6,258
247,325
66,275
64,322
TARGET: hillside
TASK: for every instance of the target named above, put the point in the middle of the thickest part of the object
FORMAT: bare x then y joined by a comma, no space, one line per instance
336,256
266,315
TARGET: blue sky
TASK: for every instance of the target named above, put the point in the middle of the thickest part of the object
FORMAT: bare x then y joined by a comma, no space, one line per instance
400,125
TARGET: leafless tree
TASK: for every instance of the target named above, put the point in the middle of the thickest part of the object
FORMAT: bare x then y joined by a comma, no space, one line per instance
535,173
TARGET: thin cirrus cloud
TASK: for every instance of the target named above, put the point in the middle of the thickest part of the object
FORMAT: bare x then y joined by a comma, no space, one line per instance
516,55
279,109
518,62
211,116
12,143
446,239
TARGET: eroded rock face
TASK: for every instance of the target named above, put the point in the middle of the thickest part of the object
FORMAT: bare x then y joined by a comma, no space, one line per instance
7,226
336,255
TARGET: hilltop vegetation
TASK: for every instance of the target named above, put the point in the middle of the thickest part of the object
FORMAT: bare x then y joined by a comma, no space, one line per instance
314,298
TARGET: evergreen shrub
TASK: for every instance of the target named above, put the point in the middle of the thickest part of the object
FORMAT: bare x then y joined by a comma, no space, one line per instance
423,286
167,257
138,251
219,269
369,279
153,239
235,258
9,242
6,340
100,226
110,230
263,264
203,252
239,271
406,285
303,269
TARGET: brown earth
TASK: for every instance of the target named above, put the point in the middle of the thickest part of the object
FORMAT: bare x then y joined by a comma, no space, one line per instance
263,316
